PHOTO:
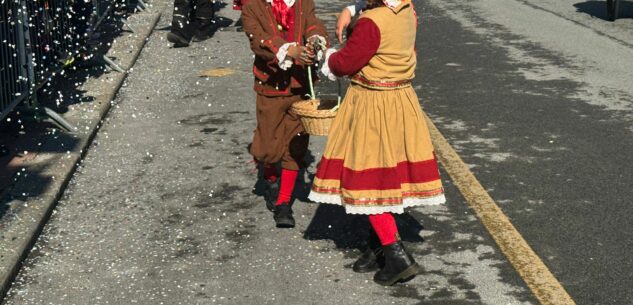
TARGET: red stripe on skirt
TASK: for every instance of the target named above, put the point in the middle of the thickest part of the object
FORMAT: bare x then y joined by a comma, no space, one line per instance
388,178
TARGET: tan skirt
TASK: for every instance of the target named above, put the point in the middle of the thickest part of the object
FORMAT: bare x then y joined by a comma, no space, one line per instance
379,157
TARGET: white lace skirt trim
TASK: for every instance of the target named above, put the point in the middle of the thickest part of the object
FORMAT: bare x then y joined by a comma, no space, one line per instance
325,198
396,209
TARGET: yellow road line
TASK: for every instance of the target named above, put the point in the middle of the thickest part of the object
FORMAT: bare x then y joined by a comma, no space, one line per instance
531,268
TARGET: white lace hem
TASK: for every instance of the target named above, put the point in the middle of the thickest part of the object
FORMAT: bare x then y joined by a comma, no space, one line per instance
396,209
325,198
285,61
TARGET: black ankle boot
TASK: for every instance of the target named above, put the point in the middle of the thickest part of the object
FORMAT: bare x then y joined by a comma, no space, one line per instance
182,32
399,265
271,193
180,38
373,258
283,216
204,29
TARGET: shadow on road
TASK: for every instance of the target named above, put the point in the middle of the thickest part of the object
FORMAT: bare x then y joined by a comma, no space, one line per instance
349,231
19,178
23,136
598,9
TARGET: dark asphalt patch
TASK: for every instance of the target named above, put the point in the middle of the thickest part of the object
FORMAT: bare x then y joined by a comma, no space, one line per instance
557,166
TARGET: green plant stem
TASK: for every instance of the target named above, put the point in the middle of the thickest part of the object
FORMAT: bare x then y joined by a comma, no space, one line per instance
312,95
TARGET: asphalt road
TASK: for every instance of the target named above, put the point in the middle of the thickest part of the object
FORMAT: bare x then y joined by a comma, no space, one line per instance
532,94
537,96
164,208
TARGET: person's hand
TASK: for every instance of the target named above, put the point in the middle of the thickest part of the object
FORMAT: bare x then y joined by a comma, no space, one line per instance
311,44
313,40
301,54
343,21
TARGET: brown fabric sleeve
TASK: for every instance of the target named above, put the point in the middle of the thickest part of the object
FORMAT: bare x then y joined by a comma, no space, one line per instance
263,44
313,25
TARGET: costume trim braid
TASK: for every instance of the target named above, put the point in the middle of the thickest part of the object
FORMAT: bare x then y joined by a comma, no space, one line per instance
397,209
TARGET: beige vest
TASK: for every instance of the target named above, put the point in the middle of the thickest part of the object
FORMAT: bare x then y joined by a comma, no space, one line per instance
395,59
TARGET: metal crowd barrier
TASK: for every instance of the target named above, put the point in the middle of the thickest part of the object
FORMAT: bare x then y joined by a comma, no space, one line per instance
13,72
50,37
38,38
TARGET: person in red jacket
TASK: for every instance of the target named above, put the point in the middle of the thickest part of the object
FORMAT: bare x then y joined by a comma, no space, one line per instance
283,35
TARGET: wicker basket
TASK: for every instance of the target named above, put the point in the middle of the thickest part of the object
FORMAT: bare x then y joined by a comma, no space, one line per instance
316,121
317,115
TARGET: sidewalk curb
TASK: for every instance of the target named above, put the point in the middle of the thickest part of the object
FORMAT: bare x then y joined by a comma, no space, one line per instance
17,239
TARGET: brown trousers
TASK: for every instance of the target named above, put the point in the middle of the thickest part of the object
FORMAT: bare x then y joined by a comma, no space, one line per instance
279,135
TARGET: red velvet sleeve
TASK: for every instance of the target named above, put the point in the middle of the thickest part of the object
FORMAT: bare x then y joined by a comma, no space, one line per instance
359,49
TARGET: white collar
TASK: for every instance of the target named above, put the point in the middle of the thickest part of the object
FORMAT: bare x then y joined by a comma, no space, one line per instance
392,3
289,3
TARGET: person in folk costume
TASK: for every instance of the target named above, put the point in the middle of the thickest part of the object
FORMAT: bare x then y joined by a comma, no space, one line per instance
379,158
284,35
190,17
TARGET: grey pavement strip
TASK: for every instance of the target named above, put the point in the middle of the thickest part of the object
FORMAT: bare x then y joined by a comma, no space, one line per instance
51,170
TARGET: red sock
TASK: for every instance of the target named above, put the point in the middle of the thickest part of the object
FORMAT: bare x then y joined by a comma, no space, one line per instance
288,179
270,172
385,226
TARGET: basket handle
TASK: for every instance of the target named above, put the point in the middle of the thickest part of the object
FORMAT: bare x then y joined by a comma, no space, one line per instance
338,97
313,96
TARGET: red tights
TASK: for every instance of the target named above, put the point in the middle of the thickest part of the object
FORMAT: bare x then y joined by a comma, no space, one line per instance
288,179
385,227
270,173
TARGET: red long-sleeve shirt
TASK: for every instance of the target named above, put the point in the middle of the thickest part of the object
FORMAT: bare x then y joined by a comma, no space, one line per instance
359,49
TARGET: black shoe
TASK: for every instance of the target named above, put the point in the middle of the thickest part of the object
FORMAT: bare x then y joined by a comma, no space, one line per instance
271,193
182,30
373,258
205,29
283,216
179,40
399,266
